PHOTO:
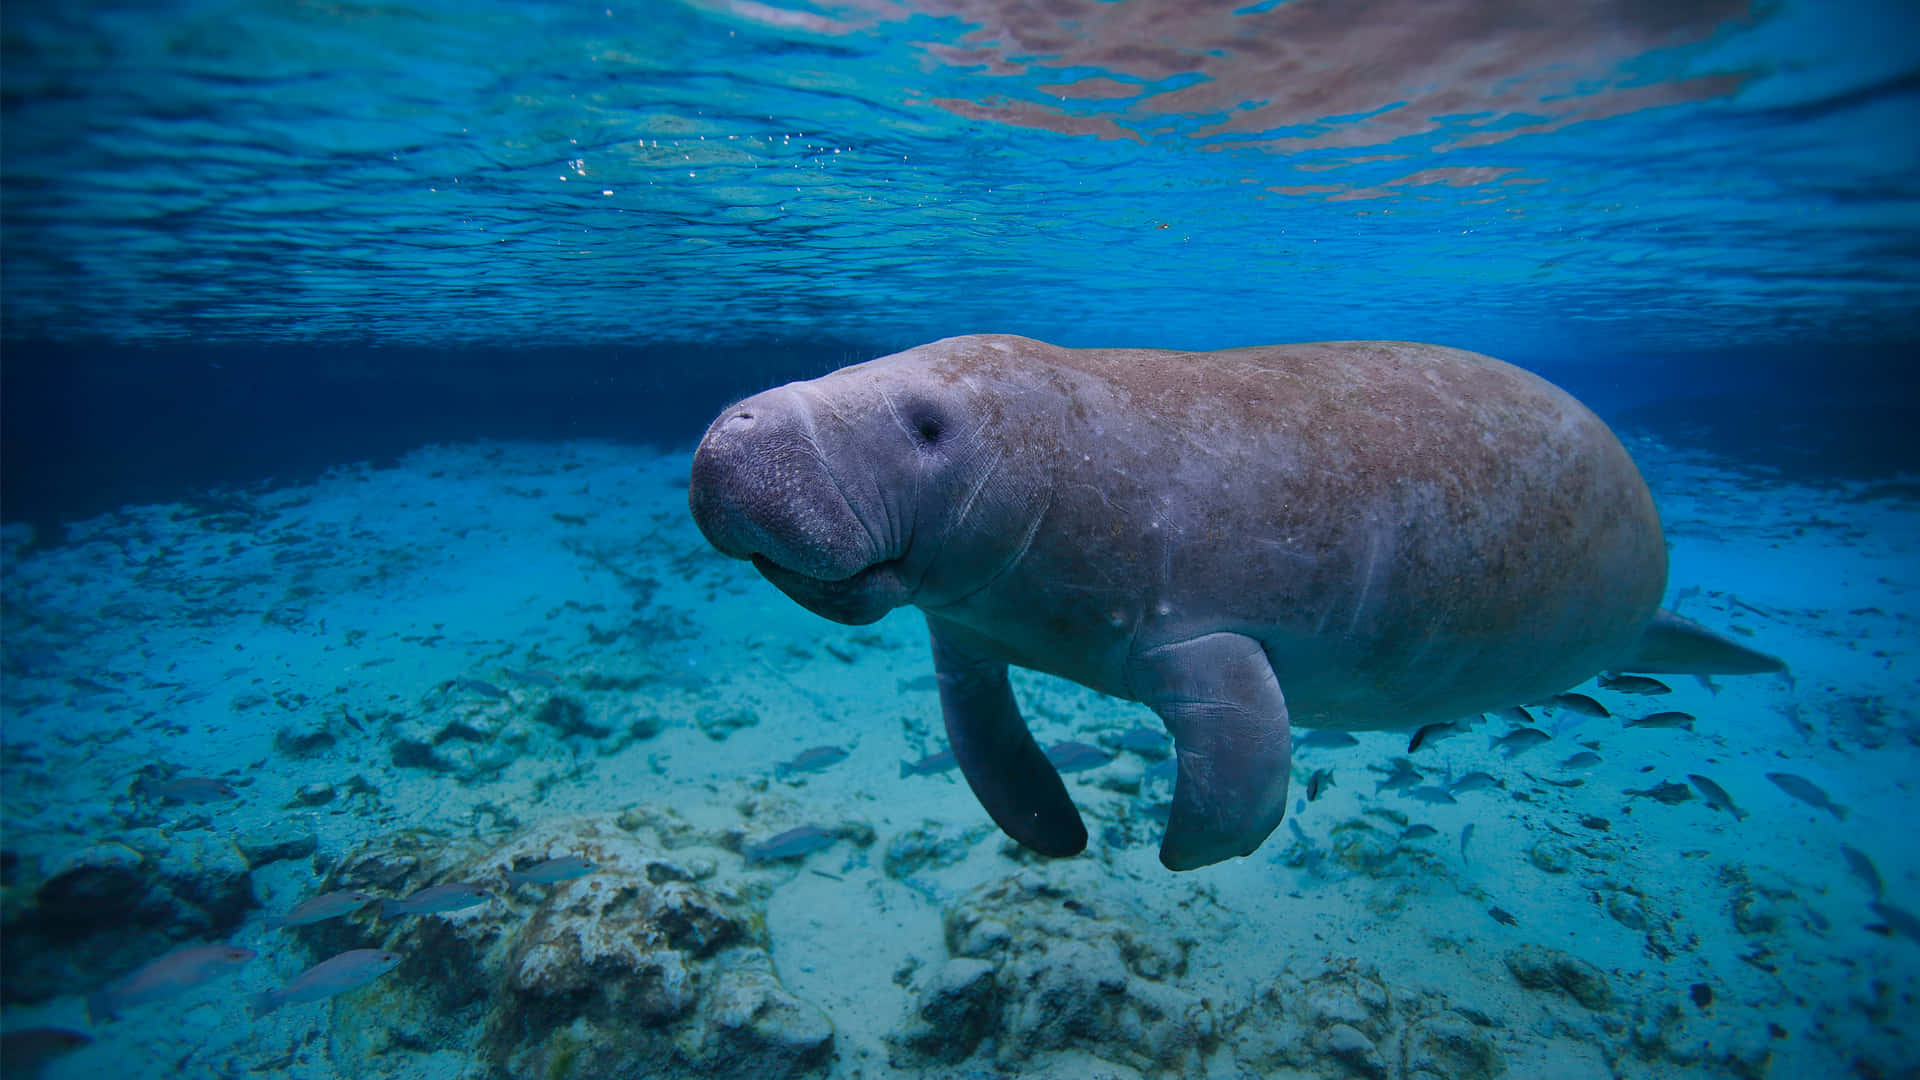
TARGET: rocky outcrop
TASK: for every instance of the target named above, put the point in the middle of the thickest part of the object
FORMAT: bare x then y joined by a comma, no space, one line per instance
1035,970
100,911
653,964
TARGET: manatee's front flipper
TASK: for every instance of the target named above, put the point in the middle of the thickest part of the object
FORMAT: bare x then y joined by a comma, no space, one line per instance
1007,770
1672,645
1228,719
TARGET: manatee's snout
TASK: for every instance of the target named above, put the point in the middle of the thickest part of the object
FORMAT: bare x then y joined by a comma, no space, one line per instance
762,489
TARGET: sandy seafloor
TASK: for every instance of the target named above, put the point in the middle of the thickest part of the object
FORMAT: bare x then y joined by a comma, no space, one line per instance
180,639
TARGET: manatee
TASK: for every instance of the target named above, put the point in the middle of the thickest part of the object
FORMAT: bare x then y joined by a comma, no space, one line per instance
1337,535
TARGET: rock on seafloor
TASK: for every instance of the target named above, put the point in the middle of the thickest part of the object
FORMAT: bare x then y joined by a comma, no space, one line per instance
86,917
654,964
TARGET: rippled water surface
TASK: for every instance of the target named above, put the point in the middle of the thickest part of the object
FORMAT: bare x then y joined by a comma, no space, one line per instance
1517,176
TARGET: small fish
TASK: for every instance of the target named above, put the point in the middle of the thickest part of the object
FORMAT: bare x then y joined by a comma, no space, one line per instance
323,907
1168,770
179,970
1433,733
1419,832
1466,834
793,844
1667,792
1633,684
1573,783
531,677
1585,759
190,789
1863,869
1807,792
1517,715
812,759
1717,796
1503,916
1579,703
1324,739
551,872
1473,781
1144,741
1430,794
1318,783
931,765
336,975
1398,781
1073,757
1518,741
436,900
1662,720
1901,921
476,686
25,1053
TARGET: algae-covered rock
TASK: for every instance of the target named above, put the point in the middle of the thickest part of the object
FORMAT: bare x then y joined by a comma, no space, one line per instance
1539,968
957,1007
1449,1047
1066,974
652,964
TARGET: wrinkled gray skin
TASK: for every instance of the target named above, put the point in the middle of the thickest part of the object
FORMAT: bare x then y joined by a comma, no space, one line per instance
1343,535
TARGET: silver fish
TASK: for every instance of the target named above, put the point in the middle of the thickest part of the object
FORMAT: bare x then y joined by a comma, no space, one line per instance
323,907
1323,739
1073,757
1318,783
1144,741
552,871
1807,792
1582,760
1419,832
792,844
1433,733
1399,781
1518,741
1516,715
1430,794
1669,719
1466,834
436,899
1716,796
179,970
191,789
1473,781
1633,684
335,975
931,765
812,759
1579,703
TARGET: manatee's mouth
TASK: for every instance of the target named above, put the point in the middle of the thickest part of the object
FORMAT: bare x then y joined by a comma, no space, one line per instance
857,599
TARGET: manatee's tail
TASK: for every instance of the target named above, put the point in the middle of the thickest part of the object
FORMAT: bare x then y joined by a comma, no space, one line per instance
1672,645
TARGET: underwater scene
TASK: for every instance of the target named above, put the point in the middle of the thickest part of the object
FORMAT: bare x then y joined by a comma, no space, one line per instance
896,539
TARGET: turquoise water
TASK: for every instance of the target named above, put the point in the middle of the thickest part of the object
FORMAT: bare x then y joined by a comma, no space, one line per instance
513,173
354,356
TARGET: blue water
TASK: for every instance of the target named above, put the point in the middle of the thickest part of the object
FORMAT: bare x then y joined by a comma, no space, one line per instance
351,350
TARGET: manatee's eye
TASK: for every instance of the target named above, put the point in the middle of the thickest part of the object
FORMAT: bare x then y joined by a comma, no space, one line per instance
927,427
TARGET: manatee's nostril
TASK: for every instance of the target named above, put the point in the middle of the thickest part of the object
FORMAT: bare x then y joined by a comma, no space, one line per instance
743,418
